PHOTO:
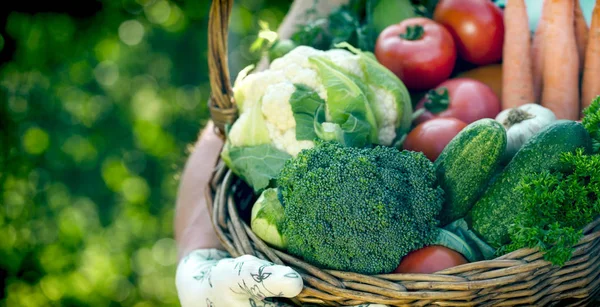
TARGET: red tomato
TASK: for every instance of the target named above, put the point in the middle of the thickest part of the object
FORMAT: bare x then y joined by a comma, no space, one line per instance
430,259
418,50
463,98
432,136
477,27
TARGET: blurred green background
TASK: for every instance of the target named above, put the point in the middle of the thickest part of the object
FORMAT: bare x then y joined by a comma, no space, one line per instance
97,116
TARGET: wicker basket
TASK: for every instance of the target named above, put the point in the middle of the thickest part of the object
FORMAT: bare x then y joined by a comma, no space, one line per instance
520,278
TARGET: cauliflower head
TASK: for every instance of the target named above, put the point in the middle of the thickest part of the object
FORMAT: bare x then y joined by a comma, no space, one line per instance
311,94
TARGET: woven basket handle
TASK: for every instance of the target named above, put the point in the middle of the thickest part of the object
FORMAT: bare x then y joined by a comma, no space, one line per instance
222,106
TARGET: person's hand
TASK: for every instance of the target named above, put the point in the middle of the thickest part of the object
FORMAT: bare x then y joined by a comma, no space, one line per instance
210,278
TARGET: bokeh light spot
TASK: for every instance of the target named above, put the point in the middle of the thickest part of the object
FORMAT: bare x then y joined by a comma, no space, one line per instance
164,252
114,173
142,262
106,73
17,104
158,12
35,141
13,203
107,50
131,32
9,237
80,72
52,287
188,97
176,21
148,106
135,190
80,149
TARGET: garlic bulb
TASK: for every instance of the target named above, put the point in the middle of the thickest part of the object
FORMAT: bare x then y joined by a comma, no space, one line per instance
522,123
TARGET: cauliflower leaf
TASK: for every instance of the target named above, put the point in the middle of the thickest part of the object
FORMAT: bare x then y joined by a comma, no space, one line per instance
257,165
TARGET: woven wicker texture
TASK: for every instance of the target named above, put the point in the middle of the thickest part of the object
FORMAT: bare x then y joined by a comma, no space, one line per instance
521,278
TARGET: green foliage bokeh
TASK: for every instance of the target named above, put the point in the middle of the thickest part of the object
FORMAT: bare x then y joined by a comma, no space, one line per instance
97,116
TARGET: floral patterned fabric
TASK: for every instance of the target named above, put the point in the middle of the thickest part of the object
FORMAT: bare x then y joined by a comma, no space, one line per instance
211,278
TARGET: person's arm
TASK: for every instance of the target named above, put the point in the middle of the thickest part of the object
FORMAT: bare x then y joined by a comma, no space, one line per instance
193,227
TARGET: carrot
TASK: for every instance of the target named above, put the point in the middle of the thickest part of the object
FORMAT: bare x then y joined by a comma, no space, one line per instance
517,78
537,58
581,33
591,72
560,91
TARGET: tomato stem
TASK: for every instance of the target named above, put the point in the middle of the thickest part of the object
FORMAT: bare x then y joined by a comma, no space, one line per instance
413,33
437,100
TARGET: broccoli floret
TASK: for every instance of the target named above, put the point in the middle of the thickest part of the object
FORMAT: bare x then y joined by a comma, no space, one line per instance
358,209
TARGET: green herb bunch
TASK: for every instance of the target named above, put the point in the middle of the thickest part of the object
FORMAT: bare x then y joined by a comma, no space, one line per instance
557,207
591,122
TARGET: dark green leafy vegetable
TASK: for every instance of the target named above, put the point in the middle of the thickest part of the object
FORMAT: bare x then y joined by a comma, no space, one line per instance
557,205
591,122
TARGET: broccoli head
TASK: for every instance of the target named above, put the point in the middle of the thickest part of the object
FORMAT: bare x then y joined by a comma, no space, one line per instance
358,209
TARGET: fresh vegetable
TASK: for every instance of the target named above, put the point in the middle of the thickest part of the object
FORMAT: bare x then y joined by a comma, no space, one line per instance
358,209
581,33
490,75
517,80
462,98
267,217
560,92
467,164
556,206
497,209
309,94
430,259
431,137
522,123
590,87
537,52
477,28
591,122
419,51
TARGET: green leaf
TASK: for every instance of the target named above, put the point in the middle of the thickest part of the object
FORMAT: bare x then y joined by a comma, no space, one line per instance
305,103
351,133
346,99
257,165
481,250
379,76
311,124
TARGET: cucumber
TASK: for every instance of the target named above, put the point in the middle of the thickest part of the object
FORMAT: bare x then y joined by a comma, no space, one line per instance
466,165
492,215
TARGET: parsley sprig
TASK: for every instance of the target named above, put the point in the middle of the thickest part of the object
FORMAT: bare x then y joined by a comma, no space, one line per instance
557,206
591,122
